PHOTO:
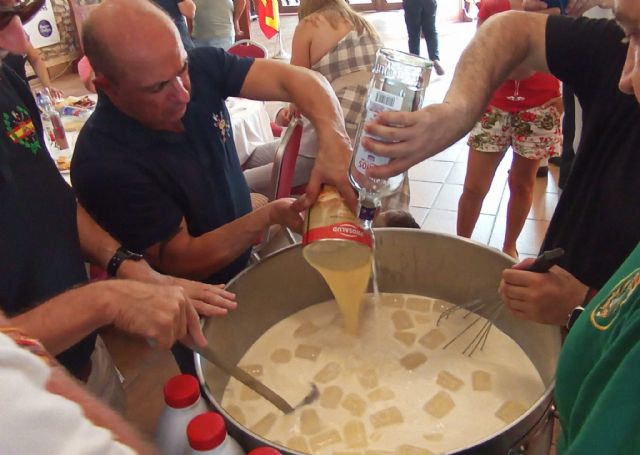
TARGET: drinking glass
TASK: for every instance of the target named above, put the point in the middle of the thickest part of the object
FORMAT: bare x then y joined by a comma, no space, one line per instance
516,95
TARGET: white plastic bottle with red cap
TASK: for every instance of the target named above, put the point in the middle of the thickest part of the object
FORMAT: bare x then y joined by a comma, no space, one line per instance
183,403
207,434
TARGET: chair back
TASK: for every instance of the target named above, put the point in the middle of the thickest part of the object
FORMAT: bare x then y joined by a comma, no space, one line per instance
248,48
284,163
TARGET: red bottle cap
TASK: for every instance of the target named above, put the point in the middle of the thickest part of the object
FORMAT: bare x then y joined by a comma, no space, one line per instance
206,431
181,391
264,451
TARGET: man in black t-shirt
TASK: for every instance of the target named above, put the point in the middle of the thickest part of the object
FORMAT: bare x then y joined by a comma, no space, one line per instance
45,235
596,220
156,163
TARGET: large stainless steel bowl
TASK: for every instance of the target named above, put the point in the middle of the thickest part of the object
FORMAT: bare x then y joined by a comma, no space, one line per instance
409,261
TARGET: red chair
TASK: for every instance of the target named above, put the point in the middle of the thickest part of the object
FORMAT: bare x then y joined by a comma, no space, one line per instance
248,48
284,163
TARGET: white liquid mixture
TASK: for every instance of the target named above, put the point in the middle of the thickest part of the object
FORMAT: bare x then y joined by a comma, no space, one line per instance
392,389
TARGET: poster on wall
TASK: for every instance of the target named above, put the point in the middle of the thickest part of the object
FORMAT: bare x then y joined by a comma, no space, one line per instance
42,29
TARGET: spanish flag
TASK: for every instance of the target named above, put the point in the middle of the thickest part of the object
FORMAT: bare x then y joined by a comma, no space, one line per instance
268,17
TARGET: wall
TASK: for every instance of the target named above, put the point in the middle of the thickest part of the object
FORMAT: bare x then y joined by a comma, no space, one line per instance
67,49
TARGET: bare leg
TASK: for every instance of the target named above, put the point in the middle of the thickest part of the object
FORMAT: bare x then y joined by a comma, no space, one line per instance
481,167
522,178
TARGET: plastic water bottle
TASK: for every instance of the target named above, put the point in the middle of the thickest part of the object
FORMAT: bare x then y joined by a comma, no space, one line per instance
53,126
398,83
183,403
207,434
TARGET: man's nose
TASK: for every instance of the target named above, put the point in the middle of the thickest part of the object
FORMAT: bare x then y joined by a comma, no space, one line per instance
179,91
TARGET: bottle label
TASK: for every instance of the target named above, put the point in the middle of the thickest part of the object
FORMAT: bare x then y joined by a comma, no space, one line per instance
330,218
378,101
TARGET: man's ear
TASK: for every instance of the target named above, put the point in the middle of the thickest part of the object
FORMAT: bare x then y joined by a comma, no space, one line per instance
102,83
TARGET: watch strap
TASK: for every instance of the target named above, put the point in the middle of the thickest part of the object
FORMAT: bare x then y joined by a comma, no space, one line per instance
121,255
573,316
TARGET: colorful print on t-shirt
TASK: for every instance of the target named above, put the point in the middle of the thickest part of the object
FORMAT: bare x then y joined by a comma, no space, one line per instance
221,123
20,128
607,312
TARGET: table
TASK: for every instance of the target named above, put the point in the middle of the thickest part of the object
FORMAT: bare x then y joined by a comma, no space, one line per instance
73,119
251,125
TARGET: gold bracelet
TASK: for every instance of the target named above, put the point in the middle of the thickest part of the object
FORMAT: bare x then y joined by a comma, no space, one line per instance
30,344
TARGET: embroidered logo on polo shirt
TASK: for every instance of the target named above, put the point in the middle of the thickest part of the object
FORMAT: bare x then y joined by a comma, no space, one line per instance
607,312
20,129
222,125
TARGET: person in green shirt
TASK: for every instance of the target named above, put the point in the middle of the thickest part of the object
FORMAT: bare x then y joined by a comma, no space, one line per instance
599,370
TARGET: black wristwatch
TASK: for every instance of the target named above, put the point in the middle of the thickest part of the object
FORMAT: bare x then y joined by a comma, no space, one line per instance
121,255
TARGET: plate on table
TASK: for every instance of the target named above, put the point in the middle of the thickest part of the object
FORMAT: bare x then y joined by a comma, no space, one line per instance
63,163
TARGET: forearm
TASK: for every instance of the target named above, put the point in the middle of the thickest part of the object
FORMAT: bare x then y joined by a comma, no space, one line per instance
238,9
187,8
313,96
41,71
309,91
199,257
99,414
488,60
64,320
97,245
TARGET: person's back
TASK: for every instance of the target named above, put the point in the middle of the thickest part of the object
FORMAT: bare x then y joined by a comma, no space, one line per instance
327,29
213,23
339,45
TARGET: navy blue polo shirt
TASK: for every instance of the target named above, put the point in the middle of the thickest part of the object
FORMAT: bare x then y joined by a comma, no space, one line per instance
40,254
139,183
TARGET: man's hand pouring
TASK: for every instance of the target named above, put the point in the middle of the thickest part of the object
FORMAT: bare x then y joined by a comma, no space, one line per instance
411,137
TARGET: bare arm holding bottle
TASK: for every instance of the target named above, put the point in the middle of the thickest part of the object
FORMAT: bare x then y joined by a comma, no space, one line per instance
410,137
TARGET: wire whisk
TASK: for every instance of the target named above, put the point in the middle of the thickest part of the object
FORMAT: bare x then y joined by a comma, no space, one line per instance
493,308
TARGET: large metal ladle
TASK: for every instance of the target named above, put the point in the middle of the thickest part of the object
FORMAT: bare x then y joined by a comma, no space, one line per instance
255,385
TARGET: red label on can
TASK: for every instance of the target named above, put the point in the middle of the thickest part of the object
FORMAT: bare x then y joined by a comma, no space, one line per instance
330,218
341,231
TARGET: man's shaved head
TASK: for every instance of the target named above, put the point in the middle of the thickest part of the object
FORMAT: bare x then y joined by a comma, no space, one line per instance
139,61
118,34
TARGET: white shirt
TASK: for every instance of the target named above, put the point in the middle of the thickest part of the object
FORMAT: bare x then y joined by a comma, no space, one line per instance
34,421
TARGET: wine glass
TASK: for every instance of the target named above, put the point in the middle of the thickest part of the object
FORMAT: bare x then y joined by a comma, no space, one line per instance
516,95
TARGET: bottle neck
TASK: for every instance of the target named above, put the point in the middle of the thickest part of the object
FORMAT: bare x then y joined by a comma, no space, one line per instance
369,205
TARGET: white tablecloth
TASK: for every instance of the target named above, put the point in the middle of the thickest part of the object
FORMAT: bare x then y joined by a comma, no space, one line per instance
251,125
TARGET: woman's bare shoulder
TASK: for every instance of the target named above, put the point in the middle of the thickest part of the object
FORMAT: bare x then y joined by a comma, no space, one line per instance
314,20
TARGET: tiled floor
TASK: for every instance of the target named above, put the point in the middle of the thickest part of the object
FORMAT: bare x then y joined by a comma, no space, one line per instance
436,185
